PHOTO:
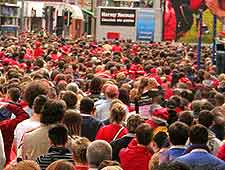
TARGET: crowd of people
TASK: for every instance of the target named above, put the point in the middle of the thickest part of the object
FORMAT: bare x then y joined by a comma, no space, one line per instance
110,105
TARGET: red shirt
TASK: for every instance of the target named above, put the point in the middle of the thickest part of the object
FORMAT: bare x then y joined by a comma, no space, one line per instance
8,126
221,153
135,157
38,52
81,167
108,132
117,48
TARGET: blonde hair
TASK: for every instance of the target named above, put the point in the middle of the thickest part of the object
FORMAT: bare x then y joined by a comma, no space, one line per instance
118,113
79,148
27,165
60,165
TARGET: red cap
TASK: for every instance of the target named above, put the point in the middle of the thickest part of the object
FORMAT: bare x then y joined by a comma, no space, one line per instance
160,115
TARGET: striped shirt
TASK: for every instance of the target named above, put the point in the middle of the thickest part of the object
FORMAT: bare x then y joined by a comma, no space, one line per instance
54,154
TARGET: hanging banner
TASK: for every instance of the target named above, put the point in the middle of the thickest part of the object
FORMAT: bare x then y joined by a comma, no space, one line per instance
117,17
145,25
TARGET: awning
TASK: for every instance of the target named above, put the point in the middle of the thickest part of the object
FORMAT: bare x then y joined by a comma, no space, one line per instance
76,11
86,11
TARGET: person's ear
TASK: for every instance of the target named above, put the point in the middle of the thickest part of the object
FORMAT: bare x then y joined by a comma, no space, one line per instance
93,113
50,142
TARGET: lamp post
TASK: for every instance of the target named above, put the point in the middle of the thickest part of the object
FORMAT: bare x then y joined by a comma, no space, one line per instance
22,16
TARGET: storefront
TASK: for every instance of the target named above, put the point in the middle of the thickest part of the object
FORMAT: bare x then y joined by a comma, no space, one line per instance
9,18
49,15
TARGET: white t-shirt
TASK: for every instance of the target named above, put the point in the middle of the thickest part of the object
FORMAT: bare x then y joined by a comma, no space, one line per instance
2,153
23,127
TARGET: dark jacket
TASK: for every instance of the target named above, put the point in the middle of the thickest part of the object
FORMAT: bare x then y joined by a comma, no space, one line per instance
90,127
119,144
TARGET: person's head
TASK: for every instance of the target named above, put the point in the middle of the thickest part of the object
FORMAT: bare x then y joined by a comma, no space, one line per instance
111,91
14,94
53,112
109,165
97,152
96,85
87,106
173,166
159,141
72,87
144,134
39,103
124,96
61,165
118,113
34,89
133,122
219,99
28,165
79,149
186,117
206,118
70,98
198,134
58,135
178,133
73,121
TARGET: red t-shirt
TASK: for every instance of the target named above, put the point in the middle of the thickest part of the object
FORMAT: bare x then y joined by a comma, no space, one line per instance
81,167
108,132
38,52
117,48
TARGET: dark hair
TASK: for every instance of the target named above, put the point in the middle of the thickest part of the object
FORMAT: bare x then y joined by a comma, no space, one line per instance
39,62
14,93
124,96
160,139
53,112
205,118
199,134
86,105
96,85
118,113
39,103
207,106
219,99
133,122
178,133
70,98
73,121
144,134
34,89
186,117
173,166
58,134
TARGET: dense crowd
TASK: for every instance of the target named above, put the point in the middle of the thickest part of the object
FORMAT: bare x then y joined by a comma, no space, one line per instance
110,105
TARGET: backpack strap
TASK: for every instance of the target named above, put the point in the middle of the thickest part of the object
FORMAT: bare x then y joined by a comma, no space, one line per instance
117,134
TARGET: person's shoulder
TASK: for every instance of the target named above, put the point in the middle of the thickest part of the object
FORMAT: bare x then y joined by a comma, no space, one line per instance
33,132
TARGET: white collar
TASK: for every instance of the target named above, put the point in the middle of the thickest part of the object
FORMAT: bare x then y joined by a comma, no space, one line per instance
86,115
199,150
178,147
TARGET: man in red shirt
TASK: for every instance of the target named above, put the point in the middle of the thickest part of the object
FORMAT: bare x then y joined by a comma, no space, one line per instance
38,51
137,155
117,48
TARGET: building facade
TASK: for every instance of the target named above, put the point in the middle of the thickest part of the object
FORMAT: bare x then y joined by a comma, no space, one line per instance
9,17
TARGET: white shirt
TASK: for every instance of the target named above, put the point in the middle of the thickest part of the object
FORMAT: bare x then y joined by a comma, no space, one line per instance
24,127
2,152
